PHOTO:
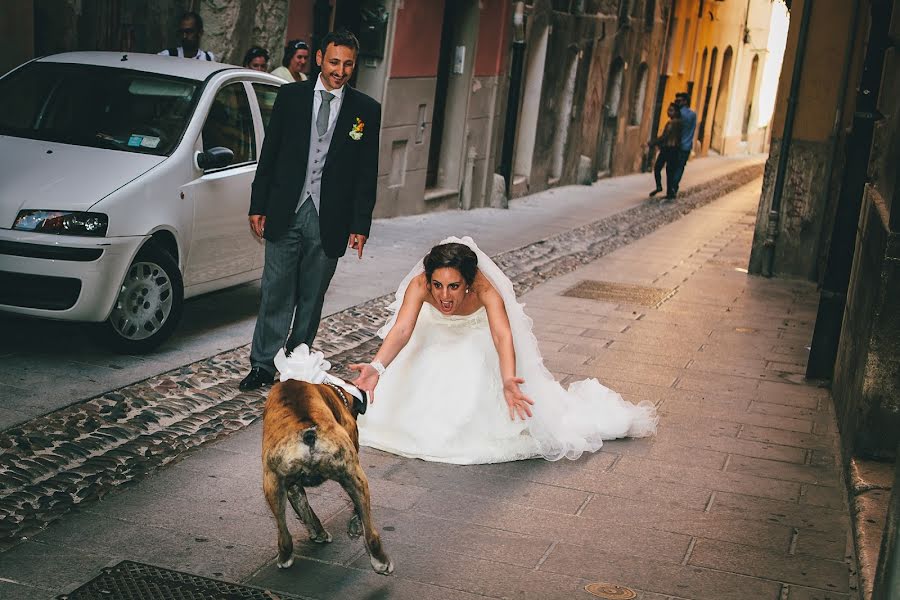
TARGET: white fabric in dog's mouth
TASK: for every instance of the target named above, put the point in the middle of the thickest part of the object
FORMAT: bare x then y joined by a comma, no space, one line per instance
311,367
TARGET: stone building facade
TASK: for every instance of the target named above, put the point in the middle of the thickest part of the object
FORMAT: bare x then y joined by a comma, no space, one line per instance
588,90
441,105
41,27
830,212
583,106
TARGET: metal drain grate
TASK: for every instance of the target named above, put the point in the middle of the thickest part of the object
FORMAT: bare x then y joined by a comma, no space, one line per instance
610,291
133,580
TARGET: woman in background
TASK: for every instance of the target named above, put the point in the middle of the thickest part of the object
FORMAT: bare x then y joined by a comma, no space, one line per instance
257,58
293,64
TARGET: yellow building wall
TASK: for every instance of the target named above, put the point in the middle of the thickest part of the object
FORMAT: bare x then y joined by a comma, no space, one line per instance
811,183
722,31
708,56
680,60
820,79
697,49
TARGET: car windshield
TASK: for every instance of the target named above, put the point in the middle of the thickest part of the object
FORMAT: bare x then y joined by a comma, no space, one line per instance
101,107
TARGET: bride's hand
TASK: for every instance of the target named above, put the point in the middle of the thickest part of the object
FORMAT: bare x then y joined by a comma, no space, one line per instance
517,402
367,379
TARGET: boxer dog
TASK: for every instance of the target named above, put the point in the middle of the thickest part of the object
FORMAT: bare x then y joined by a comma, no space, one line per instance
310,436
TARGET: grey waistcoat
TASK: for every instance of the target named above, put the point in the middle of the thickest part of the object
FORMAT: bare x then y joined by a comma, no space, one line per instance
318,152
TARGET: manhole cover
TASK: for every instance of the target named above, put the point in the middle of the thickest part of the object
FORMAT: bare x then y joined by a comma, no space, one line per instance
136,580
608,590
610,291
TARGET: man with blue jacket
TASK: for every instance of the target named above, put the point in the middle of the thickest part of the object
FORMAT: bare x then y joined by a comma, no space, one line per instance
688,127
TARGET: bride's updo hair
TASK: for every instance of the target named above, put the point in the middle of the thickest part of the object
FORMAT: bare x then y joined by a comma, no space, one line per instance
453,256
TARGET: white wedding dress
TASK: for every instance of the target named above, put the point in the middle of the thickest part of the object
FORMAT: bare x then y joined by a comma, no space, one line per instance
441,399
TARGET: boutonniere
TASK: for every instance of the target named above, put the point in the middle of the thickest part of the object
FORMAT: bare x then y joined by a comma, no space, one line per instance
357,131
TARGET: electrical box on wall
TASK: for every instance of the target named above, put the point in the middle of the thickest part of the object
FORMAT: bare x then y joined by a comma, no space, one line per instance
459,60
373,32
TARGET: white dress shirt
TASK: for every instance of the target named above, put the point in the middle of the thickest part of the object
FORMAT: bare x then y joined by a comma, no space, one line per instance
335,102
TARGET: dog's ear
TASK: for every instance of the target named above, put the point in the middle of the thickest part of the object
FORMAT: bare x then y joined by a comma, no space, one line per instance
359,406
309,436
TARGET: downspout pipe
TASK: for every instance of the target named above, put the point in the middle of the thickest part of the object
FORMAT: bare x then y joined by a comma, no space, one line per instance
745,35
661,81
786,139
515,90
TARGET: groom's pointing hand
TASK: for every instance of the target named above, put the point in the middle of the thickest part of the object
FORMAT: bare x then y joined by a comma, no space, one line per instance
357,241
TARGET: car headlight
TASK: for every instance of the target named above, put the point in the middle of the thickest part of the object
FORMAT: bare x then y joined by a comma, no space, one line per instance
62,222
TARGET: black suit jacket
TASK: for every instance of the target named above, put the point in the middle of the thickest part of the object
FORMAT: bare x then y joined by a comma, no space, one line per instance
349,176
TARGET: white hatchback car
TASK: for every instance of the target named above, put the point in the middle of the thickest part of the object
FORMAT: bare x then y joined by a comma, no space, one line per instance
124,187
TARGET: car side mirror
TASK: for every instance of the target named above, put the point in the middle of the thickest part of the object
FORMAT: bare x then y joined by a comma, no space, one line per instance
214,158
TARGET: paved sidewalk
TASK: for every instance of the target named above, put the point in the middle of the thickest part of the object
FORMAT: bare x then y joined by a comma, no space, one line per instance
30,367
739,496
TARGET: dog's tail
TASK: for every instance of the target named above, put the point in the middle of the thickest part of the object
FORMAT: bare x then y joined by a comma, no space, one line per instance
309,436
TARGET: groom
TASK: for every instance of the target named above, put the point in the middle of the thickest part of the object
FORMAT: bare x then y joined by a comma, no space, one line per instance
312,197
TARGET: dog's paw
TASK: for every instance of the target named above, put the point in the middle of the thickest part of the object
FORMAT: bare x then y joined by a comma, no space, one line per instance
385,567
286,564
321,538
354,528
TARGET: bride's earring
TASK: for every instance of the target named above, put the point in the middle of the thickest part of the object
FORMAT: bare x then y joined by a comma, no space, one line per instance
467,290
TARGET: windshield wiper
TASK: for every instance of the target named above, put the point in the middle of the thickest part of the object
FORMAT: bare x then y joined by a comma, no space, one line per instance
108,141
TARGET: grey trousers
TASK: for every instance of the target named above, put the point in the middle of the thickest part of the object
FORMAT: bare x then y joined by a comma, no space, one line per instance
295,277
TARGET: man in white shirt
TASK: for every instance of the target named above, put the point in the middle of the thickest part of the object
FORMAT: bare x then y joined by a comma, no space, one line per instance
190,30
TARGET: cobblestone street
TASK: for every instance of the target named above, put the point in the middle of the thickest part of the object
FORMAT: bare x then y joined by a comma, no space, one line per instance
738,496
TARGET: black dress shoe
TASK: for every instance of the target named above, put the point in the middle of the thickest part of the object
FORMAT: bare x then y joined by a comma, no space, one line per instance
257,378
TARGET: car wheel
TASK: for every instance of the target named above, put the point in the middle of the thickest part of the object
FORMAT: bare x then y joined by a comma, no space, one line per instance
149,303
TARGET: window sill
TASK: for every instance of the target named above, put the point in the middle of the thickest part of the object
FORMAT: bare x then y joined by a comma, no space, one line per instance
433,194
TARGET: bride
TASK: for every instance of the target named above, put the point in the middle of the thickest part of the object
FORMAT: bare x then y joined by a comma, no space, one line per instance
459,377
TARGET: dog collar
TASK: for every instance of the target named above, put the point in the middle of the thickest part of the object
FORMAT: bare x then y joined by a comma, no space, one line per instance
340,392
350,389
358,403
